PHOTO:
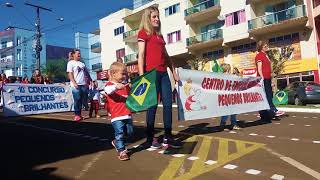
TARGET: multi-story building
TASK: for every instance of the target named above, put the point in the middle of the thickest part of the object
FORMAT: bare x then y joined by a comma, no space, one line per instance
90,47
316,14
224,31
17,55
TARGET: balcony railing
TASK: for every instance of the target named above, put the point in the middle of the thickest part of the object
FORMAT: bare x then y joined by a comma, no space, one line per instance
201,6
204,37
277,17
96,67
129,34
130,58
96,47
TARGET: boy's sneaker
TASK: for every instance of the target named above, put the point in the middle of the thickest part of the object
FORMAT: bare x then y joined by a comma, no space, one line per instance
170,142
77,118
279,113
155,144
235,127
123,156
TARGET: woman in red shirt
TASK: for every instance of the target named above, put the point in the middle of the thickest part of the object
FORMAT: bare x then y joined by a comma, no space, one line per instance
153,55
264,71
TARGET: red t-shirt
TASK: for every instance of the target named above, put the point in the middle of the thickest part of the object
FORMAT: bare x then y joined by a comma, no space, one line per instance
117,103
266,65
154,51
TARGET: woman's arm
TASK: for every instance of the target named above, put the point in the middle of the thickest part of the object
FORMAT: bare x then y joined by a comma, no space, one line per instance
259,68
141,52
171,66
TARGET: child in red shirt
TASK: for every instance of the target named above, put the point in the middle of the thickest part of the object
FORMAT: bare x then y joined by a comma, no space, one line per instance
121,119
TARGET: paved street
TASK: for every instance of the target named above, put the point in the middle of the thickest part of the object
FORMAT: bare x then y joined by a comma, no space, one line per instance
52,146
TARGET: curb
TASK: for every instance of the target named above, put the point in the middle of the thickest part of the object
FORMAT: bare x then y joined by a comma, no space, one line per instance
302,110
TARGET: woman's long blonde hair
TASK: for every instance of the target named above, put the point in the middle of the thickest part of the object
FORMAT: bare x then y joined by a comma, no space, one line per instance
146,22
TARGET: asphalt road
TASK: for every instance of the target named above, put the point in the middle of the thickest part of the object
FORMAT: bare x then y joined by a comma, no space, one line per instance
52,146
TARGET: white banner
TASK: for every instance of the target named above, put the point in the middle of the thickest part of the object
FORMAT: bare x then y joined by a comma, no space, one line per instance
25,99
204,94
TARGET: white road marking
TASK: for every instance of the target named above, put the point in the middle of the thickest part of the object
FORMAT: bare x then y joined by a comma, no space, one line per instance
178,155
181,126
294,116
277,177
246,114
271,136
253,171
232,132
276,123
253,134
192,158
151,149
230,166
161,152
307,125
305,117
295,163
314,117
210,162
294,139
291,124
316,142
89,165
159,123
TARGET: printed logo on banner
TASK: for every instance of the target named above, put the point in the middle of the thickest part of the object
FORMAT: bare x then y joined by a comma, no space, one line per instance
139,94
193,94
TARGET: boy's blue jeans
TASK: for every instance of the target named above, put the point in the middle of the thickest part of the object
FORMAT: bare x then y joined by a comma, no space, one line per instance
225,118
163,87
122,130
78,95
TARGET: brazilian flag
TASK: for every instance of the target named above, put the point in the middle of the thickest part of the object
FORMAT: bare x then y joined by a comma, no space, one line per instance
280,98
216,67
143,92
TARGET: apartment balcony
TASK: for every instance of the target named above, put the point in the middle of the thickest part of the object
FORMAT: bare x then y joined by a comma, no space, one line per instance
96,67
130,36
282,20
96,47
202,11
130,58
205,40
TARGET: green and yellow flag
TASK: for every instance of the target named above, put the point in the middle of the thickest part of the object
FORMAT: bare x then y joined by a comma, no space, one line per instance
216,67
143,93
280,98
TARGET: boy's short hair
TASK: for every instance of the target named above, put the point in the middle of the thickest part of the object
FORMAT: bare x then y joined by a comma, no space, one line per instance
116,66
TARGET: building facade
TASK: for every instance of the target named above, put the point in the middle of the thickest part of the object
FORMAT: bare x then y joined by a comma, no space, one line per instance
223,31
90,47
17,55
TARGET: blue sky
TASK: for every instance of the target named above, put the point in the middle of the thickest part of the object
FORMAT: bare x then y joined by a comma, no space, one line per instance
79,15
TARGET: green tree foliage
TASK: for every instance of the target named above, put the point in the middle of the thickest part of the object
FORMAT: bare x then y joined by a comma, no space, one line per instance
278,57
56,70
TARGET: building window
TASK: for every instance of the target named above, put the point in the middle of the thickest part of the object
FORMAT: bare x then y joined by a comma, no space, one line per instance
19,40
172,9
244,48
174,37
118,30
288,38
120,53
3,44
235,18
213,54
19,56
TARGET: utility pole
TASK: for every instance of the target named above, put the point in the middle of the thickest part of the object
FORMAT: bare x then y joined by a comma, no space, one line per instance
38,46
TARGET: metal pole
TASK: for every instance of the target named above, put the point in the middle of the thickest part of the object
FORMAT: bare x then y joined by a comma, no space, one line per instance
38,46
38,37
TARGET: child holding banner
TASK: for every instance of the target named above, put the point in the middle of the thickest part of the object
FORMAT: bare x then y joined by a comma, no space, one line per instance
121,119
226,68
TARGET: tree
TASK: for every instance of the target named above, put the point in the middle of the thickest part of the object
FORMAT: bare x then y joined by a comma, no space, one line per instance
55,69
278,57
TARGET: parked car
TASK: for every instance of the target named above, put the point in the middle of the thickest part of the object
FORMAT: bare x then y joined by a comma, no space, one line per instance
302,93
